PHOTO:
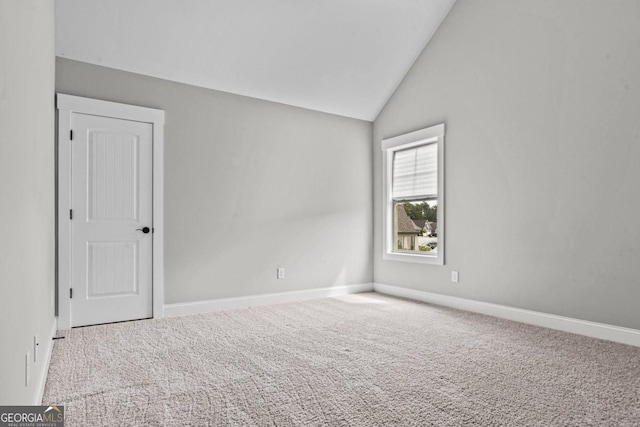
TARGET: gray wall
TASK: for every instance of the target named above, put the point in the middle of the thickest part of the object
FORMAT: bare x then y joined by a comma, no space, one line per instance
27,193
542,104
250,186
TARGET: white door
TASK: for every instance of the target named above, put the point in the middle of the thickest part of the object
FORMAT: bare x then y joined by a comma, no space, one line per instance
111,220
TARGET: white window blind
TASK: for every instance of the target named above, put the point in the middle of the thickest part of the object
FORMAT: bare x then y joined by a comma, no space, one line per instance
415,172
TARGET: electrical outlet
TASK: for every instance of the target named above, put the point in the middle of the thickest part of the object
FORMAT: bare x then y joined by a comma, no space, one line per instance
35,348
27,368
454,276
280,273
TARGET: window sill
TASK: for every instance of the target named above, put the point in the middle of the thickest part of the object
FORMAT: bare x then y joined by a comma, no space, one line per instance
415,258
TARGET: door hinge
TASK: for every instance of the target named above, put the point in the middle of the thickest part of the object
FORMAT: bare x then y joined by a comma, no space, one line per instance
70,213
71,135
70,293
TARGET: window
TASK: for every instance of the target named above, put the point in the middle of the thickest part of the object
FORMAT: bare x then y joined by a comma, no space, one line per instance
414,196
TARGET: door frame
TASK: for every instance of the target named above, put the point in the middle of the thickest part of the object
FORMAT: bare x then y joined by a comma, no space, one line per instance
66,106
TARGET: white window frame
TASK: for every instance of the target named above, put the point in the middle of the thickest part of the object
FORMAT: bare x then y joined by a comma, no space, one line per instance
432,134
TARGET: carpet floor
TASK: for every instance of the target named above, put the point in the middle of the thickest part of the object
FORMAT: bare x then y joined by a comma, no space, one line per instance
356,360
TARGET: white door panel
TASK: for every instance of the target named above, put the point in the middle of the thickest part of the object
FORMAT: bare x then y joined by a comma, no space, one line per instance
111,199
112,269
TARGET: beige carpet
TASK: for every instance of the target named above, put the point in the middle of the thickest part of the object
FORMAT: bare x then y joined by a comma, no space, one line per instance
358,360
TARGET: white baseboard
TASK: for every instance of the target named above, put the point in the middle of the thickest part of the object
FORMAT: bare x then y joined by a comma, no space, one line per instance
48,349
207,306
551,321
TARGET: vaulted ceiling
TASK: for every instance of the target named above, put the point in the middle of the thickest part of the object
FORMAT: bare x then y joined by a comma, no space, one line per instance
344,57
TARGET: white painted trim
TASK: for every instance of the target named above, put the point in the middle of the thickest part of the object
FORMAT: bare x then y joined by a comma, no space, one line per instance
63,199
431,134
67,105
42,381
97,107
411,139
158,219
551,321
207,306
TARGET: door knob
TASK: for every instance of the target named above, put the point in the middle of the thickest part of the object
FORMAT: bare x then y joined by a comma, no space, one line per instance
145,230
